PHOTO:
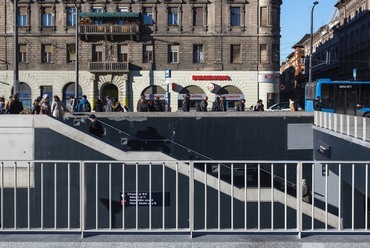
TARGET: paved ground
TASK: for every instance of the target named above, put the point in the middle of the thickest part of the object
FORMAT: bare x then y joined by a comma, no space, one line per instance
201,241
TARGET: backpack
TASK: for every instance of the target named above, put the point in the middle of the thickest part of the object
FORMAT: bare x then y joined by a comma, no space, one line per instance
86,107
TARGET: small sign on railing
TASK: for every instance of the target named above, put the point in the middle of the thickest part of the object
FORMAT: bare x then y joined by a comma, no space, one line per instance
129,199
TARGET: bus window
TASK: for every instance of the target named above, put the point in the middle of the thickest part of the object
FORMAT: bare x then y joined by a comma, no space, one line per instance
327,96
310,91
364,95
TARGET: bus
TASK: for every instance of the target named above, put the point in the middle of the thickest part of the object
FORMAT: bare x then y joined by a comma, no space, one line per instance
343,97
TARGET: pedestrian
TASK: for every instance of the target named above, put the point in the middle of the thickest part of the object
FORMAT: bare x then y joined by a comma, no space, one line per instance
186,103
223,106
7,104
157,104
216,104
139,102
2,105
116,106
318,104
109,104
259,106
96,127
306,192
204,104
143,105
36,106
58,108
241,105
292,105
84,105
99,106
45,105
71,106
15,106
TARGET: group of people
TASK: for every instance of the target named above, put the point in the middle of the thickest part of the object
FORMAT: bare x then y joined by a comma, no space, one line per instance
11,106
219,105
144,105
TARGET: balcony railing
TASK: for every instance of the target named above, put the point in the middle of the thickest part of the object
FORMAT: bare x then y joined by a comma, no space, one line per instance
108,66
91,29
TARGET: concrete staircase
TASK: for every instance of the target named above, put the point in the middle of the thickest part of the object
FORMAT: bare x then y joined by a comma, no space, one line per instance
27,122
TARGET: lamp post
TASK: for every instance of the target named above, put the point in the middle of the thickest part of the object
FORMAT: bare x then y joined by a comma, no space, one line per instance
16,48
311,44
76,65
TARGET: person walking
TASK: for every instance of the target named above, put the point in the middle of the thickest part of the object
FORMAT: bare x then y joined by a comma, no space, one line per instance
109,105
84,105
223,106
241,105
57,108
96,127
15,106
204,104
71,106
45,105
186,103
216,104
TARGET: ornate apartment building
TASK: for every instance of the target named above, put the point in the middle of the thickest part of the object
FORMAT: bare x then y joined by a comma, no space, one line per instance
126,48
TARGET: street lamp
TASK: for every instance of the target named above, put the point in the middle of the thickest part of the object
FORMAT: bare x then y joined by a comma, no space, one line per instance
16,48
311,44
76,52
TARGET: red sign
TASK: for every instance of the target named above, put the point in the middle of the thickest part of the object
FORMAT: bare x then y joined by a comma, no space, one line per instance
210,78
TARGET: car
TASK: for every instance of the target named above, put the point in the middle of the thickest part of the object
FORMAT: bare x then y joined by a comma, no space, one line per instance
282,106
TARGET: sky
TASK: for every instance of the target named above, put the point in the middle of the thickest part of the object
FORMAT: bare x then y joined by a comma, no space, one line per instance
296,21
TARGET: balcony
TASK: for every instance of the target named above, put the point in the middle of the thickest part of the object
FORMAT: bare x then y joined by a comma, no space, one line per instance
108,67
109,25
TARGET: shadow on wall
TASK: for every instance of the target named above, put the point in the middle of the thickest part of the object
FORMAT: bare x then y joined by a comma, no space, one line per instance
149,140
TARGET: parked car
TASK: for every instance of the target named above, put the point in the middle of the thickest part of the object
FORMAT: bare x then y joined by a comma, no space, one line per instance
282,106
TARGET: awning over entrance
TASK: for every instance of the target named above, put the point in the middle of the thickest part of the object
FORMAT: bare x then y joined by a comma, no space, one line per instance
110,14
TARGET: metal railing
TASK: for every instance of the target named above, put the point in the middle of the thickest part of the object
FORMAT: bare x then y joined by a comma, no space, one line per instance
86,29
353,126
178,196
108,66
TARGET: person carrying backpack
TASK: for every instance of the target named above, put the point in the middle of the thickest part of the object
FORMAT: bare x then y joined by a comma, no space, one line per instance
84,105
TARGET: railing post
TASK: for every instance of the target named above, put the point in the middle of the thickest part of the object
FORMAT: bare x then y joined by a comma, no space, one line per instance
191,198
82,198
364,128
355,126
299,199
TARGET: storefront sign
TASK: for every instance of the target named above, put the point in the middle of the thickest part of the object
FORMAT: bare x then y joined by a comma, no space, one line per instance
269,78
129,199
192,96
232,97
211,87
210,78
153,96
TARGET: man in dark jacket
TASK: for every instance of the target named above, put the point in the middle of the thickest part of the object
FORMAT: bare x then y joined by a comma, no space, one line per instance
216,104
15,106
96,127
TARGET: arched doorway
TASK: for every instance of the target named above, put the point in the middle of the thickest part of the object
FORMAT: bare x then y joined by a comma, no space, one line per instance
232,94
153,91
196,96
24,95
109,90
69,90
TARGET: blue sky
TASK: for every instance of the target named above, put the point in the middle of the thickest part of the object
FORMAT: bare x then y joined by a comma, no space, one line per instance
296,18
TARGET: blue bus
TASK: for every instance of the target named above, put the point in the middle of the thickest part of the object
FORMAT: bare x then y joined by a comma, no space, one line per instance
343,97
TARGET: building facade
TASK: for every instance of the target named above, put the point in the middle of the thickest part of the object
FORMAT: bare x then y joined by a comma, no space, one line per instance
127,48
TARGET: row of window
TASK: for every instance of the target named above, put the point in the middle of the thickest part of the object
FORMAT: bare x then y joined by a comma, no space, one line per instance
47,52
147,16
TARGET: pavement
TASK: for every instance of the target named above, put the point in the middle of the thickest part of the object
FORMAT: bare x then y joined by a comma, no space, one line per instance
184,240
